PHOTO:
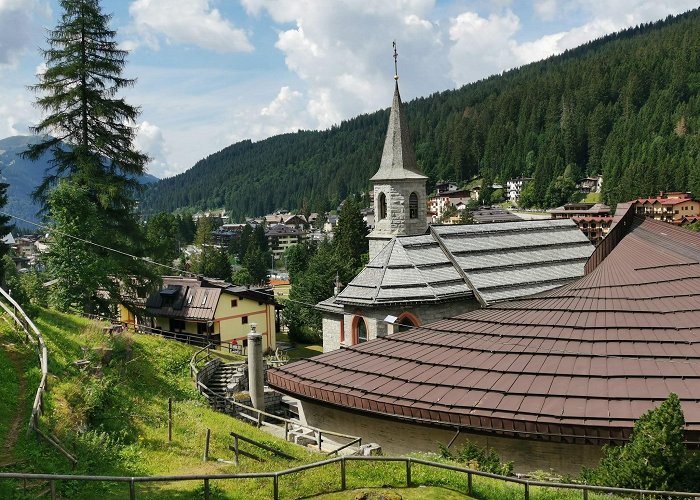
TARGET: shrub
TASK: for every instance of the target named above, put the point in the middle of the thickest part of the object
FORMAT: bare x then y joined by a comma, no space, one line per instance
654,458
480,458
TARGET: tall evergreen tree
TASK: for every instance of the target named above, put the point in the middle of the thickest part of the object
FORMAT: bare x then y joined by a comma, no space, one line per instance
89,131
5,228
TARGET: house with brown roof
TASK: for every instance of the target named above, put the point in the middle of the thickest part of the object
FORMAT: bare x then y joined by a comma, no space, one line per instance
201,310
547,379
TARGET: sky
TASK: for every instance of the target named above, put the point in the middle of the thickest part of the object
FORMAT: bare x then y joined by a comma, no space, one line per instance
214,72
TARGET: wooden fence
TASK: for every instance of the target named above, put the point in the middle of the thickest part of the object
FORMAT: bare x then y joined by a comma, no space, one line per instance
260,417
409,463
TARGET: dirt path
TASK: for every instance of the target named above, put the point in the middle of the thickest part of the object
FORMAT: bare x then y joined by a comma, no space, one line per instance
17,420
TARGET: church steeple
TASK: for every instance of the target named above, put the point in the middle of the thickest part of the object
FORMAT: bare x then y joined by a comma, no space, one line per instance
399,187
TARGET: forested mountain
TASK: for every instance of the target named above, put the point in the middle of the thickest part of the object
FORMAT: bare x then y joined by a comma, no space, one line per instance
23,176
626,106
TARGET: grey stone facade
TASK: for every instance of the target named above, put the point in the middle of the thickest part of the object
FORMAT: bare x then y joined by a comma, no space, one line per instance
398,220
375,319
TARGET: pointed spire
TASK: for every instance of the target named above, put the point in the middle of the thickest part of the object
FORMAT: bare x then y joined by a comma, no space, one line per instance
398,157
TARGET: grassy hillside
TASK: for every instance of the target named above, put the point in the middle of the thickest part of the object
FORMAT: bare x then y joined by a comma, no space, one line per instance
113,417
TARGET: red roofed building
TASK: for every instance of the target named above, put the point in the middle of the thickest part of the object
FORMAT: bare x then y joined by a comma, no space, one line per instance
668,207
546,380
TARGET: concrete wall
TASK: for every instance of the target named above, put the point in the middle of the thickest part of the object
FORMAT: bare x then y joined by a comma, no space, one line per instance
397,437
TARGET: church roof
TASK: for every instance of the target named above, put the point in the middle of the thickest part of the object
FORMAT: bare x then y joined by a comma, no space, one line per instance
492,261
576,364
398,158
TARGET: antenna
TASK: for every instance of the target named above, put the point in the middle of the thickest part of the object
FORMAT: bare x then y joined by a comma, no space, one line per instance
396,66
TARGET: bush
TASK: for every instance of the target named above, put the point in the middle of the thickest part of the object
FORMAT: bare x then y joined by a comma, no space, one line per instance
655,457
480,458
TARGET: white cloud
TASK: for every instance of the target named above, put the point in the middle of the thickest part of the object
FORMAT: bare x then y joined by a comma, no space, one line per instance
342,52
186,22
16,113
149,139
19,28
546,9
481,46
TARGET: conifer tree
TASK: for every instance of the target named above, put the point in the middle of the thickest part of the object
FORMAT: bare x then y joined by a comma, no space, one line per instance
89,131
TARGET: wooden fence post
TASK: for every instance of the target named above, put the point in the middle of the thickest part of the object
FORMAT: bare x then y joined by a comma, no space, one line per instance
170,419
206,446
206,489
235,448
343,483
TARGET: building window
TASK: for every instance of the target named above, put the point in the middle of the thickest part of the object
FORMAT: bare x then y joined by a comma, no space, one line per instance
359,330
413,206
177,325
244,320
407,321
382,206
234,302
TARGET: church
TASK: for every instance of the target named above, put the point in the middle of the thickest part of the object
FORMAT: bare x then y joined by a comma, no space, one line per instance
419,273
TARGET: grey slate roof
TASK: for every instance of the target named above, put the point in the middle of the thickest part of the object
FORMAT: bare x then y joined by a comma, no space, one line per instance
495,262
398,158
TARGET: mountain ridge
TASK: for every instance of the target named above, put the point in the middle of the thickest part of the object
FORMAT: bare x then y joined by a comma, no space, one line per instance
24,175
625,105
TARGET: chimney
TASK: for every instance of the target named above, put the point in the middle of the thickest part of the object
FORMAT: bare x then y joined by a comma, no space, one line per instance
256,371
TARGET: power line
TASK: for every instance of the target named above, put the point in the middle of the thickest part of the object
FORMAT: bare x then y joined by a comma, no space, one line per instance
126,254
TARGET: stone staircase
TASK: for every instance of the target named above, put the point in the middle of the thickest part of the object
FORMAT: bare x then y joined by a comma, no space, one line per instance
227,378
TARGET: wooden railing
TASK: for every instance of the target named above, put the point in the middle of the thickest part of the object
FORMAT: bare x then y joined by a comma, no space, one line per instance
33,334
259,417
409,464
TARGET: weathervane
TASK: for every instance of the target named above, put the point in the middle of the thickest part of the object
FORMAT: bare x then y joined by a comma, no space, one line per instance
396,66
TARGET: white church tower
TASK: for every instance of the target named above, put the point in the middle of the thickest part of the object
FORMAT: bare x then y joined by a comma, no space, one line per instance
400,207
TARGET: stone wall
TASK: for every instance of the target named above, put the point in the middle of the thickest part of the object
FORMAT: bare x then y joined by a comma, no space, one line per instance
377,327
398,437
205,373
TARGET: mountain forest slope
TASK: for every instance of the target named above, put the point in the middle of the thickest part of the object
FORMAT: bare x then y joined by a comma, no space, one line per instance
626,105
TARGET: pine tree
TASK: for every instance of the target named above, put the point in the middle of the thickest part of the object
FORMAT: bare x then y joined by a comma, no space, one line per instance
89,131
78,94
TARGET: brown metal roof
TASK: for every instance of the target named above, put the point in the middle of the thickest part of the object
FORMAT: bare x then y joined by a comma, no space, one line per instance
576,364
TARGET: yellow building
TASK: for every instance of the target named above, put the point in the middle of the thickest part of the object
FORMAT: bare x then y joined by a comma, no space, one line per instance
196,309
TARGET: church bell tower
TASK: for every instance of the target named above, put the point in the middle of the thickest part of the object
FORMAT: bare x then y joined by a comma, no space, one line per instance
400,207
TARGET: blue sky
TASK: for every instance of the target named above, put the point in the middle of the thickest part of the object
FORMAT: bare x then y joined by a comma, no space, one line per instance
214,72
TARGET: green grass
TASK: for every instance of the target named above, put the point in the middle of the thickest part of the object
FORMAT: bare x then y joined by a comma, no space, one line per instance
300,351
113,416
9,392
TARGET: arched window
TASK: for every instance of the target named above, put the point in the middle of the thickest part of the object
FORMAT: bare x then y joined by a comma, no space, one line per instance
382,206
413,206
407,321
359,330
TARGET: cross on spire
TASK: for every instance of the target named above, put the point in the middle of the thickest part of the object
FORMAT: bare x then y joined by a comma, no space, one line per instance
396,66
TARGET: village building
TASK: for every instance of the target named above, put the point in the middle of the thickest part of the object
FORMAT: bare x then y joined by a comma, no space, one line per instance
201,310
592,184
668,207
544,380
515,187
438,203
418,273
593,219
281,236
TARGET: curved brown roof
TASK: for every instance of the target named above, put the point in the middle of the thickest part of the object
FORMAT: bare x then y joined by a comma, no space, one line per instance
576,364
